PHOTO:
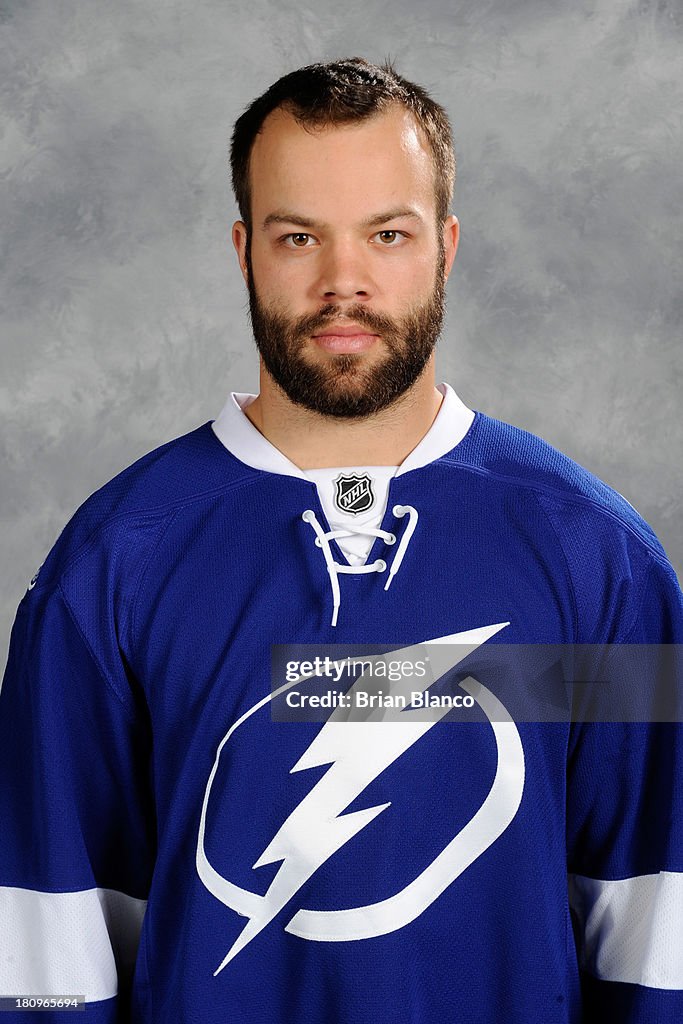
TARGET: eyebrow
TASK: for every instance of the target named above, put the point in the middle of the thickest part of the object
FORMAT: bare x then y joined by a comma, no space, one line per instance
287,217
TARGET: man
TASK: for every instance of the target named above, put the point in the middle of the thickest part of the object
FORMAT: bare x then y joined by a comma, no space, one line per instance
176,851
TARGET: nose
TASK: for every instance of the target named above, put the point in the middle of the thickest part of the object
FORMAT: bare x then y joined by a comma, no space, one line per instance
344,272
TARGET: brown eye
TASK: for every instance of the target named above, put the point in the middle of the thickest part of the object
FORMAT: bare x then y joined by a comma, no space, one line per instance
299,239
392,235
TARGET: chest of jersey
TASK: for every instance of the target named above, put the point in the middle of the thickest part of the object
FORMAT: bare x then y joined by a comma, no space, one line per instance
323,834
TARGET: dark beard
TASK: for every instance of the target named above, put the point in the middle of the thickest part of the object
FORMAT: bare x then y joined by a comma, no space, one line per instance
343,387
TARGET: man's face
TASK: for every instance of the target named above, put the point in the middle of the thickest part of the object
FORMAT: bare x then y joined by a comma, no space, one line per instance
345,238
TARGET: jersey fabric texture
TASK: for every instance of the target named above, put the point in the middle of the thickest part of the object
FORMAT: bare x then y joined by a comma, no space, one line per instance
175,855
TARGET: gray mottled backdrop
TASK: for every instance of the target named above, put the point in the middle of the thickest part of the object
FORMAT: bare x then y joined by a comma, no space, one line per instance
123,312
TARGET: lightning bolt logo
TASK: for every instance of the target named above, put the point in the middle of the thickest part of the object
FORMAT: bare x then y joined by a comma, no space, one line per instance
357,752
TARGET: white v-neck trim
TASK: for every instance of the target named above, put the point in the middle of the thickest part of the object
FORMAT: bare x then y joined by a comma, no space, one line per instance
237,433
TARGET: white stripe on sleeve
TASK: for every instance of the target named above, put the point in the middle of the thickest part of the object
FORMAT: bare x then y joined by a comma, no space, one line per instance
631,930
75,943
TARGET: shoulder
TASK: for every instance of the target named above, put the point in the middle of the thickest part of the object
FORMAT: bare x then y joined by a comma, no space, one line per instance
513,459
126,514
610,553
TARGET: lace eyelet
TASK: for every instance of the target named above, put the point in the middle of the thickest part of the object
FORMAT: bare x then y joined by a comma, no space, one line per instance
399,510
308,516
380,565
391,539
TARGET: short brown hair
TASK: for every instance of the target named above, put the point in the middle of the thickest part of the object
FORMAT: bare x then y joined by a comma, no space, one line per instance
339,92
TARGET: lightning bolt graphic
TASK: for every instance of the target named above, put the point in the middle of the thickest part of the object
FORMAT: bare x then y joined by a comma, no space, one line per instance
357,752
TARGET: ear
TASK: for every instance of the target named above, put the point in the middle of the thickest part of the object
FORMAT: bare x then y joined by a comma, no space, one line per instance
240,238
451,236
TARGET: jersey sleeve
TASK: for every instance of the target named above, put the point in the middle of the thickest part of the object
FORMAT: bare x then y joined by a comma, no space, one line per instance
625,825
78,825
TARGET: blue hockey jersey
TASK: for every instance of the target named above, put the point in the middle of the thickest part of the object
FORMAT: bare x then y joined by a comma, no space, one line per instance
173,852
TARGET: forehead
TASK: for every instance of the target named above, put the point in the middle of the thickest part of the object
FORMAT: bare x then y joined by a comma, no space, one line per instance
345,169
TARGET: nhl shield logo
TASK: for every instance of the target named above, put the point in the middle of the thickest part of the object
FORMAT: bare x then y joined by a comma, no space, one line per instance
354,493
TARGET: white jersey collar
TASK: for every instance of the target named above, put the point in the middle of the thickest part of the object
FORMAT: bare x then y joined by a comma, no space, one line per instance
237,433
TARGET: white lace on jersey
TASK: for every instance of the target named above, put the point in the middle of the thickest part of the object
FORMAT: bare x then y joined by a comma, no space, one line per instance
323,539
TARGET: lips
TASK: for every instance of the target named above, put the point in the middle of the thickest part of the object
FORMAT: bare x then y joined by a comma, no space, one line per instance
346,338
345,331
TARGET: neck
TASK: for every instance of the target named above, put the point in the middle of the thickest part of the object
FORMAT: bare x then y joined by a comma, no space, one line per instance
313,441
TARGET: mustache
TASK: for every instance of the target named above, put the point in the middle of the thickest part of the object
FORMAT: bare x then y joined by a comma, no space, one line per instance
358,314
